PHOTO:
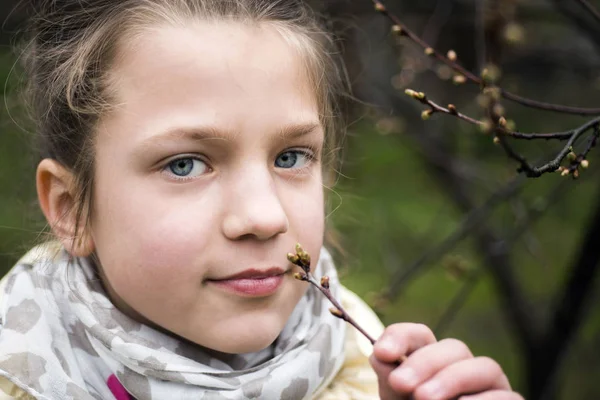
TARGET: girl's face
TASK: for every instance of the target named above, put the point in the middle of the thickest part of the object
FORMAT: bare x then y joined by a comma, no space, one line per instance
207,168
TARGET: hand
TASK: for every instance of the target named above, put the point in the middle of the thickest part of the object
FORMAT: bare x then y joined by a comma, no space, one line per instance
434,370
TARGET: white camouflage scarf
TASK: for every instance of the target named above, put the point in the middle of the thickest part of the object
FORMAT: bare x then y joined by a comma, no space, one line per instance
62,338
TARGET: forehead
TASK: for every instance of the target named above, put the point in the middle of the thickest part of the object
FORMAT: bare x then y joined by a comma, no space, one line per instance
225,73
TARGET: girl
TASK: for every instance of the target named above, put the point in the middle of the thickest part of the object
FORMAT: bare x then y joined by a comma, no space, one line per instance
185,148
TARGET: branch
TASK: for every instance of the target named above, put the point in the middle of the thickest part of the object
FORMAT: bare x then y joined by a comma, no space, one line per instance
458,302
591,9
570,307
586,26
463,74
434,107
568,149
452,110
302,259
473,278
498,127
473,219
493,250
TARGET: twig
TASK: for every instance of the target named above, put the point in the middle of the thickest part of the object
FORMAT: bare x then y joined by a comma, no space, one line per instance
434,107
530,240
509,240
592,10
302,259
586,26
498,128
457,302
496,119
400,29
570,307
452,111
473,219
568,149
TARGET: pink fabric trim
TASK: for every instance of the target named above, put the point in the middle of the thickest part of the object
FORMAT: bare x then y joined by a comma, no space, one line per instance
117,389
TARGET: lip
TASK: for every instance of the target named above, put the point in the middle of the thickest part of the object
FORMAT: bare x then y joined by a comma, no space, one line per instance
252,282
253,273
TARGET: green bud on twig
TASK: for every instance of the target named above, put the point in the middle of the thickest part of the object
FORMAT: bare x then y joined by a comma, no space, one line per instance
459,79
571,156
493,92
457,267
491,73
304,258
379,7
426,114
486,126
338,311
513,33
397,29
510,125
498,110
483,100
300,276
293,258
414,94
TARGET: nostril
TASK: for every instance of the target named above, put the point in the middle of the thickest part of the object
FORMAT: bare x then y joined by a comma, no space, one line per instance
256,222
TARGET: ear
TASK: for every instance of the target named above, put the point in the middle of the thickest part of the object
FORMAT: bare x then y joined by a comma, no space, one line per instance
57,197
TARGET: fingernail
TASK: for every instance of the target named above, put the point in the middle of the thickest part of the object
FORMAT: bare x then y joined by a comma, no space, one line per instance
406,375
432,390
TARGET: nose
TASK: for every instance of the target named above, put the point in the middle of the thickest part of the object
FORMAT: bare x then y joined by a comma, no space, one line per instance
254,208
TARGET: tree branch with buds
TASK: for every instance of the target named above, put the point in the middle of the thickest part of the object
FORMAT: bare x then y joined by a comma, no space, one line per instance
302,259
499,126
463,75
495,122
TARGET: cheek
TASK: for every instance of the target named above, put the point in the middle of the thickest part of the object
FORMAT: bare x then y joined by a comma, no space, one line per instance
150,243
306,214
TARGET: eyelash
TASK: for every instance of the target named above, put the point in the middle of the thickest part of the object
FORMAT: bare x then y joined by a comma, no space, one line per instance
165,166
309,152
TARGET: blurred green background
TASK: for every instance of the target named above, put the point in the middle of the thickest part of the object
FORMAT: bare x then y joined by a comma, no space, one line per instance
395,200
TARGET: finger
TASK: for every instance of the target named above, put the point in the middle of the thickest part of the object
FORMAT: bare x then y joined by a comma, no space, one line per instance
383,370
464,377
494,395
402,339
426,362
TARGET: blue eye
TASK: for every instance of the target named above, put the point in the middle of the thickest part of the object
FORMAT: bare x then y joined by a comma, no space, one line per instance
292,159
186,167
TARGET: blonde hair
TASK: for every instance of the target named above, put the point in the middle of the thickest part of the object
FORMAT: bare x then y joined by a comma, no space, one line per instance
75,42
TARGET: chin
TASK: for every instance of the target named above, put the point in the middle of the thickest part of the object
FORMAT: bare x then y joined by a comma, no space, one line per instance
249,336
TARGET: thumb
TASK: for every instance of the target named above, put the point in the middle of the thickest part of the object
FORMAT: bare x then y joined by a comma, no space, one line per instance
383,371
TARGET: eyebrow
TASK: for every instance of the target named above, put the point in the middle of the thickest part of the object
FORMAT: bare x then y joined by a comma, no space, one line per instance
287,132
